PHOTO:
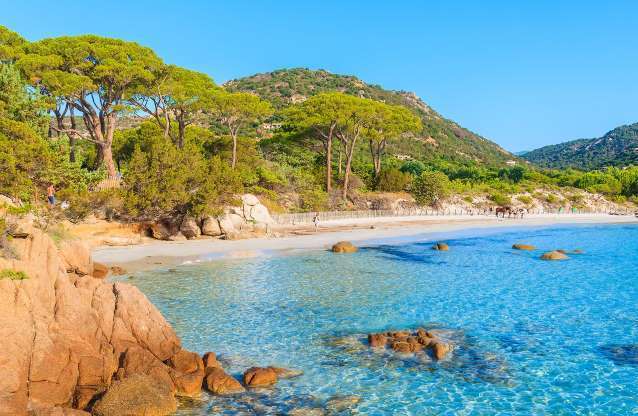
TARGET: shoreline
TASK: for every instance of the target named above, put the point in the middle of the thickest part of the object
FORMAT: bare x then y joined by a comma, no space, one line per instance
161,254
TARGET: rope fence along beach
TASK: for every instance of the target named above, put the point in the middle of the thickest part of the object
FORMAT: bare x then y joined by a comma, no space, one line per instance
307,217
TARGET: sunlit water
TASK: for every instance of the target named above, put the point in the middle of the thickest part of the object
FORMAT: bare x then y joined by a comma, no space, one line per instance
533,337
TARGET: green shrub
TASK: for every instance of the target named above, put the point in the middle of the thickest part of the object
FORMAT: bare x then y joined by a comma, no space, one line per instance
525,199
430,188
393,180
500,199
13,275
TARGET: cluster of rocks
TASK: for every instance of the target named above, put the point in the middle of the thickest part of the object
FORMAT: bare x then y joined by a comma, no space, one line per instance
550,255
251,219
407,342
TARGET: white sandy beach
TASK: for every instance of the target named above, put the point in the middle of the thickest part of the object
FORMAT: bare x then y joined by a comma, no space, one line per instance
162,253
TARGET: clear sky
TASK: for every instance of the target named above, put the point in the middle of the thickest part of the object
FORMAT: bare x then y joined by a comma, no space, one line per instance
522,73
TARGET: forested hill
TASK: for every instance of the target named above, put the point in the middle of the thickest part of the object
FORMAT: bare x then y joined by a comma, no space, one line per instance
440,137
618,147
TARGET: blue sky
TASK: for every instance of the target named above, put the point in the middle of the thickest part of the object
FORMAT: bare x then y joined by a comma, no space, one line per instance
522,73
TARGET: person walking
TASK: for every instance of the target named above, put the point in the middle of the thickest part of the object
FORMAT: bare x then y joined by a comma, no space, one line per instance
315,221
51,195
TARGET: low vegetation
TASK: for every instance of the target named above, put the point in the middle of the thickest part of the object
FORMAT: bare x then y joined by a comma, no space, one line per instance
12,275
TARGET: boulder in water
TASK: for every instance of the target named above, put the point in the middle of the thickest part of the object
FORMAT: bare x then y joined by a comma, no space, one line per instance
218,382
554,255
286,373
441,247
525,247
260,377
344,247
377,340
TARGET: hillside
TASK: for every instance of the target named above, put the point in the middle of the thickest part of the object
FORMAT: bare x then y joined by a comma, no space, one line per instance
618,147
440,137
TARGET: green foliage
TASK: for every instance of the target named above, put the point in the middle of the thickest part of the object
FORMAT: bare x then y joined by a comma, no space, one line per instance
615,148
393,180
13,275
413,167
525,199
500,199
430,188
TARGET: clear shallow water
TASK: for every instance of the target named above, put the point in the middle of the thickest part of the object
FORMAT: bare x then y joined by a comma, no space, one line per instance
533,337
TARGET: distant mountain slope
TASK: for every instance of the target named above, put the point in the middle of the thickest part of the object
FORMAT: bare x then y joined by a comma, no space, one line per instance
440,137
618,147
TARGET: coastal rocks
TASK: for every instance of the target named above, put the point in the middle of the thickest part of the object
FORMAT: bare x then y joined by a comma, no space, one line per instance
407,342
260,377
210,361
218,382
163,230
621,354
441,247
339,404
524,247
286,373
65,337
138,395
210,227
189,228
344,247
554,255
76,256
100,271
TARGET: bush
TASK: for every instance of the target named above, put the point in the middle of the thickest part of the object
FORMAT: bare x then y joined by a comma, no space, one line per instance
13,275
500,199
413,167
393,180
525,199
430,188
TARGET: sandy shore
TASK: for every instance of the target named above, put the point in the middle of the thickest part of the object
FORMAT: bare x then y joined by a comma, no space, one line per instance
158,254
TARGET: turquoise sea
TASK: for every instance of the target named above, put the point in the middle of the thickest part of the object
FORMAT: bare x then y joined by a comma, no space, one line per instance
531,337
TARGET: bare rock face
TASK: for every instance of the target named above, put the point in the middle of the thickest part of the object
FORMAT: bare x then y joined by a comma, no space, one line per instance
189,228
210,226
63,336
138,395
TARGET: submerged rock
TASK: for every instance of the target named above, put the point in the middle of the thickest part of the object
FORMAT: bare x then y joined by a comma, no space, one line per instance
286,373
525,247
338,404
621,354
554,255
344,247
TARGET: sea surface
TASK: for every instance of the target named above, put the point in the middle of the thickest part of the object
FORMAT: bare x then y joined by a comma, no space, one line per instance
530,336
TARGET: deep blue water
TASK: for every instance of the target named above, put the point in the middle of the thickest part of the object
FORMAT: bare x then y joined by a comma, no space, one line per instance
532,337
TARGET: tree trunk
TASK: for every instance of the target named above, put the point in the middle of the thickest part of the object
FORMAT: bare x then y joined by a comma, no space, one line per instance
107,152
329,165
340,158
234,162
72,138
349,154
182,131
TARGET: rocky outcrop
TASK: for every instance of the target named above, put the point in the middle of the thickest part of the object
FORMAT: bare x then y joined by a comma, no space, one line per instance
65,336
344,247
218,382
554,255
138,395
189,228
251,219
210,227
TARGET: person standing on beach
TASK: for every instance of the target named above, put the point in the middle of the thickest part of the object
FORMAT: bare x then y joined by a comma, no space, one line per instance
315,221
51,195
